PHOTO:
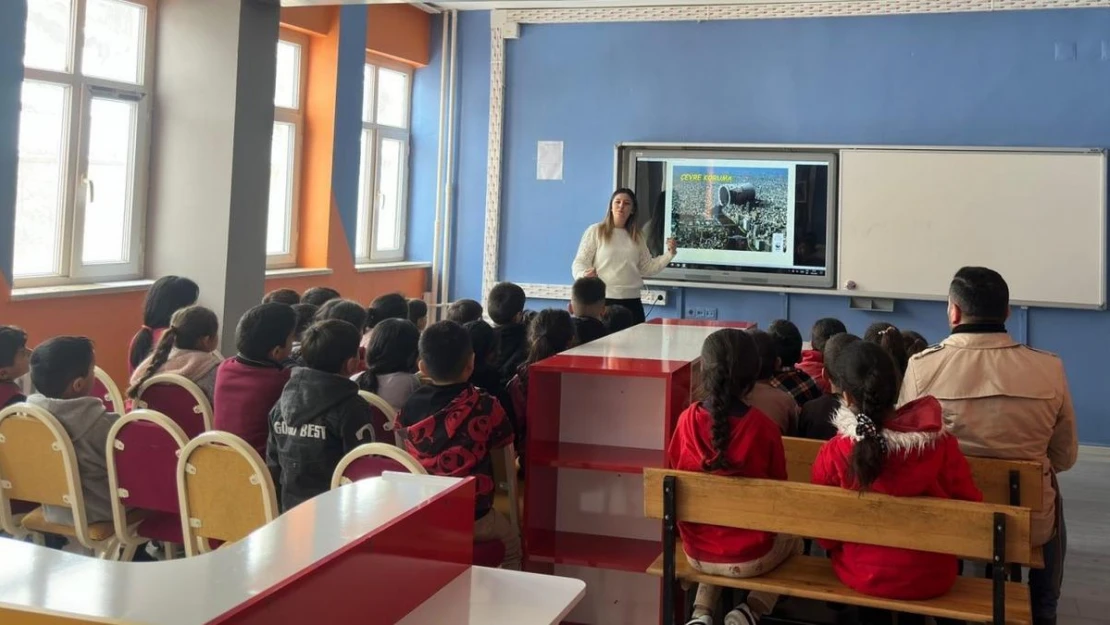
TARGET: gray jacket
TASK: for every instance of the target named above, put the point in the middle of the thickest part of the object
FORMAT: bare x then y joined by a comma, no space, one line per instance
87,422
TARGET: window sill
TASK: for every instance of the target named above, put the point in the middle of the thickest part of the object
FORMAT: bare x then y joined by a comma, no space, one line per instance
393,266
77,290
298,272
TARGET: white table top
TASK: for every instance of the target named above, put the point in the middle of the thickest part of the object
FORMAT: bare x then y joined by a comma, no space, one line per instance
500,597
649,342
197,590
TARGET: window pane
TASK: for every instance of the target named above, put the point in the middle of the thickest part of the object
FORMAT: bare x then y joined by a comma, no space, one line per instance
115,35
389,194
362,226
111,173
288,80
368,72
49,28
393,95
281,189
39,192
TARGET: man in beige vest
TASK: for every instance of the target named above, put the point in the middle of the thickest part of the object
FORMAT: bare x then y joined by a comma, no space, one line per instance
1002,399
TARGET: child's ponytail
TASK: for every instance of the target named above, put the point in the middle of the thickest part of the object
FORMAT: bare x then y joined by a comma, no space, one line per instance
729,368
890,339
161,355
869,378
188,327
550,332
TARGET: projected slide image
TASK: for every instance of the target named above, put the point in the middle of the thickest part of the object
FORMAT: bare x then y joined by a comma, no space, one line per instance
743,209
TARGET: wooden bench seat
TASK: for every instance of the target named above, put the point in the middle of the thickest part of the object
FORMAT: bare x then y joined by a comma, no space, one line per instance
811,577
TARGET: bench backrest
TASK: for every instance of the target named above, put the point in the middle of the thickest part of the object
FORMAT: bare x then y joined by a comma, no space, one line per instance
992,475
959,528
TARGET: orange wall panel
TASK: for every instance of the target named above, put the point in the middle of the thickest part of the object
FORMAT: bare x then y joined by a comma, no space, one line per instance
399,31
309,20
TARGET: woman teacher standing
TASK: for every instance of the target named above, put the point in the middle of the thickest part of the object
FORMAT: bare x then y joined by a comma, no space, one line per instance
615,251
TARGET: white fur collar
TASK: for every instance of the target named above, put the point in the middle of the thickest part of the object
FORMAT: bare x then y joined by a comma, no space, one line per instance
845,422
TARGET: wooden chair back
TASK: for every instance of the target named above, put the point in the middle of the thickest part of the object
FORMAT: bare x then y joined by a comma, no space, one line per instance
371,460
105,388
385,419
225,490
960,528
1003,482
180,399
505,479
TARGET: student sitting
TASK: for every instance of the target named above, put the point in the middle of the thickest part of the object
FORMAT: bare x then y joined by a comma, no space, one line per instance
773,402
306,313
904,453
388,306
723,435
551,332
320,416
418,313
788,346
485,376
617,318
915,343
815,421
165,297
464,311
813,360
15,362
248,385
289,297
319,295
451,427
352,313
63,371
506,309
391,362
588,302
187,348
888,337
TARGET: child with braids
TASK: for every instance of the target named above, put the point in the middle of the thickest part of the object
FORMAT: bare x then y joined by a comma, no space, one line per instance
186,348
904,453
888,337
723,435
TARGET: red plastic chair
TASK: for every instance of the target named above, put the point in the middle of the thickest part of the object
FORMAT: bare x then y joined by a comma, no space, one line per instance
143,447
372,459
178,398
384,419
105,388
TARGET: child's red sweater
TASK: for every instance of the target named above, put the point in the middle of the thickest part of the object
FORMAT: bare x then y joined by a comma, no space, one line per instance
754,450
246,391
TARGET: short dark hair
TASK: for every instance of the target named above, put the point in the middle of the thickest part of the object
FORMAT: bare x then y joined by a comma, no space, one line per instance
768,354
12,341
343,310
328,344
388,306
288,297
305,314
982,294
445,349
418,309
505,302
618,318
263,328
788,341
319,295
483,339
833,350
57,362
824,330
464,311
588,291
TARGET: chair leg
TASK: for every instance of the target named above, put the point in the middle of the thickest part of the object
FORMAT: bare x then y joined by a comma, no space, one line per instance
38,539
128,552
167,550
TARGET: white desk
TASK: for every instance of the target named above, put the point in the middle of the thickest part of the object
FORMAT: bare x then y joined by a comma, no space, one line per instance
499,597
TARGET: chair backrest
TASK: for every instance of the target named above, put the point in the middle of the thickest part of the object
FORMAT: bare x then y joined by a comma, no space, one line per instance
143,447
960,528
505,478
224,490
105,388
371,460
385,418
38,464
180,399
991,475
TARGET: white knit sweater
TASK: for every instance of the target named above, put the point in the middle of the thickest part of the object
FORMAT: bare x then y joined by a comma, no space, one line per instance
620,262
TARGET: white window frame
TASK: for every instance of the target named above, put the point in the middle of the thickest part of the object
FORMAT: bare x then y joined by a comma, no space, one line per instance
296,118
75,184
373,134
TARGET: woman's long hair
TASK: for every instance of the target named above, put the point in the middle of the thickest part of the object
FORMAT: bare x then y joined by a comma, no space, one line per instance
729,369
605,229
168,295
188,327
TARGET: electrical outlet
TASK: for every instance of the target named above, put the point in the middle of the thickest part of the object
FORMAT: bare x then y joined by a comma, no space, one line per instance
691,313
710,313
700,314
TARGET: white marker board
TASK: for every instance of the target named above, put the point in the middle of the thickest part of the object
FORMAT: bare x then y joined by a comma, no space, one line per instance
910,218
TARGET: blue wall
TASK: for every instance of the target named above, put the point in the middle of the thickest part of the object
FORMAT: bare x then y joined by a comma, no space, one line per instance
961,79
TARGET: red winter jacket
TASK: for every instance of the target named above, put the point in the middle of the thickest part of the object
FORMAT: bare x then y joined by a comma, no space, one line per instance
813,363
922,461
755,451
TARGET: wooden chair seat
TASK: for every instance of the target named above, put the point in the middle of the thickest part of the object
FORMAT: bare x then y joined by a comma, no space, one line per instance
35,521
811,577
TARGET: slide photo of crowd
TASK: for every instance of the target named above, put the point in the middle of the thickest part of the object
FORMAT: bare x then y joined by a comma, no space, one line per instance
730,208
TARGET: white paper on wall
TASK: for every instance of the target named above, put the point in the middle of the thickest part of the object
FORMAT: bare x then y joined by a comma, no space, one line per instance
549,160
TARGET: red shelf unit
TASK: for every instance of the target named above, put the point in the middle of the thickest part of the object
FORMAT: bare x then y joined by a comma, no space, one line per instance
606,552
595,457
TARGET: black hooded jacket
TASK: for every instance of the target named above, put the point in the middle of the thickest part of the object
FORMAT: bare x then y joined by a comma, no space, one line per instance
317,420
